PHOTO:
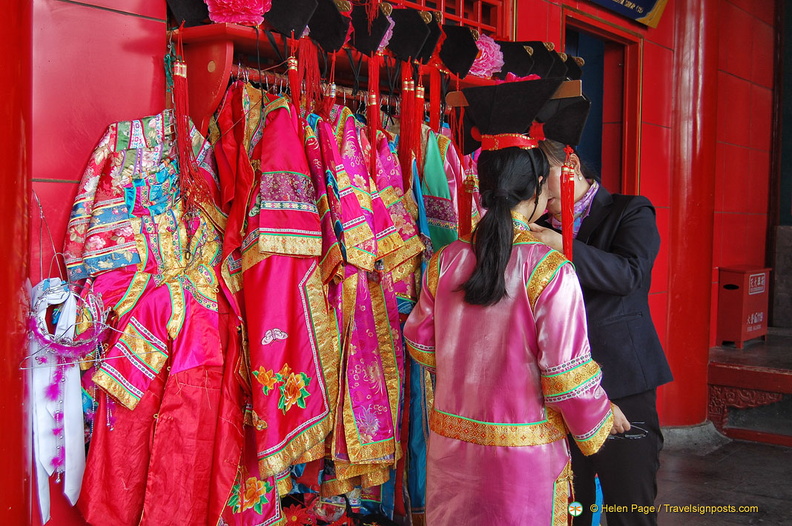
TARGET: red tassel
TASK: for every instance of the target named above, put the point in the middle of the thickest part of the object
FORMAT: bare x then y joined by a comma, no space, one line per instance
192,186
309,74
292,73
294,82
567,204
434,99
405,128
417,124
330,94
465,198
328,102
373,108
372,9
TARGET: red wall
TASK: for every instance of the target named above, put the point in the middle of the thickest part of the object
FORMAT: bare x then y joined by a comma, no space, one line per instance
745,74
15,107
94,63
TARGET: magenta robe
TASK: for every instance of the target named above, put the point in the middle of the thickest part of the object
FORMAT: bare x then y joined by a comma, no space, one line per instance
512,379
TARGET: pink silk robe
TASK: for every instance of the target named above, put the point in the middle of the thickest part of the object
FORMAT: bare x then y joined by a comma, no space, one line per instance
512,378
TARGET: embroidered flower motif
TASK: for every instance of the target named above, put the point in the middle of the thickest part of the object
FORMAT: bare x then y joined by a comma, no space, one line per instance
95,243
252,494
296,514
267,378
368,424
294,392
284,372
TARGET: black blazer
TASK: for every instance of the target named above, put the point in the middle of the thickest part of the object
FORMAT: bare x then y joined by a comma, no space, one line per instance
613,255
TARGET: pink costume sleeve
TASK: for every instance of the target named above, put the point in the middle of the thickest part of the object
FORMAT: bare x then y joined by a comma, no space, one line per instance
419,332
570,378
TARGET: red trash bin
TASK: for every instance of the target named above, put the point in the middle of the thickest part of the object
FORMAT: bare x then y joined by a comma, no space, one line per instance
742,304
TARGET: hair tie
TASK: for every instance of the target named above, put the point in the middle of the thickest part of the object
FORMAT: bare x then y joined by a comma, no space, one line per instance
502,193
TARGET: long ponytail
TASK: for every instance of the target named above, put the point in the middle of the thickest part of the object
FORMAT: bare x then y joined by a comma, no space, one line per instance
507,177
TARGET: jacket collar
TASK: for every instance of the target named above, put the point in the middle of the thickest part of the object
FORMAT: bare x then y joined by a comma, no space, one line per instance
600,208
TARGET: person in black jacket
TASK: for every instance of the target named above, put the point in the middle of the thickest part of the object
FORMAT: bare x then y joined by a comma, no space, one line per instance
616,242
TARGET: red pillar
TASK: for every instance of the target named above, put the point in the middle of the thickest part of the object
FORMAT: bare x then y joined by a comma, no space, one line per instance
15,106
684,401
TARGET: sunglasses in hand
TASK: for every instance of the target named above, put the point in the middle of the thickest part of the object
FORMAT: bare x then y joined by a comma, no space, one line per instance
636,432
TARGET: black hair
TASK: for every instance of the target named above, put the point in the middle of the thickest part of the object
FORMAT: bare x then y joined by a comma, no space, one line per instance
506,178
556,155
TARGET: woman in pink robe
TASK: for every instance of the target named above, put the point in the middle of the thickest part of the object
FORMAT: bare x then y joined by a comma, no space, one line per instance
501,321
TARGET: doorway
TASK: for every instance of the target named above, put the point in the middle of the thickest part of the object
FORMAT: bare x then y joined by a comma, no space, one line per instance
611,79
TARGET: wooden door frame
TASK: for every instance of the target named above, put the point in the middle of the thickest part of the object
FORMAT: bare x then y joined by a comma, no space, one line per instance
633,43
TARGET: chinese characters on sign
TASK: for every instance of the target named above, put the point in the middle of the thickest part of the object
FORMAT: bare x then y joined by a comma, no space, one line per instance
754,321
756,283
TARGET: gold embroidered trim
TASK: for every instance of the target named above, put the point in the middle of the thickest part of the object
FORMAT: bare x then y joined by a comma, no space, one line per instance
178,311
375,478
250,258
557,384
346,471
593,444
296,245
562,490
114,389
172,238
332,263
134,291
305,441
517,216
362,452
358,235
389,244
433,273
522,237
443,143
361,258
428,391
544,272
405,260
284,485
492,434
424,357
331,488
325,334
138,341
232,281
387,353
315,453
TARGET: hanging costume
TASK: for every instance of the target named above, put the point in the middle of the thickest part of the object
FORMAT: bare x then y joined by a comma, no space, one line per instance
163,367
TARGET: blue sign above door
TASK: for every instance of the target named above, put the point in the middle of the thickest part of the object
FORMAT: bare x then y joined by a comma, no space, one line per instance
647,12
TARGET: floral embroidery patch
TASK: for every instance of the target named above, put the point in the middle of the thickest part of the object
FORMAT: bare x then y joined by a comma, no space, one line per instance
298,515
293,386
267,378
252,494
294,391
